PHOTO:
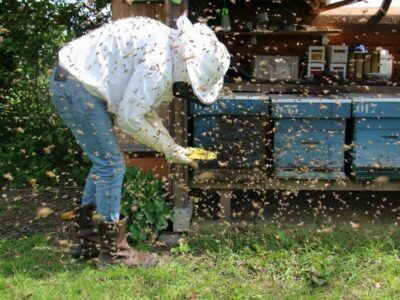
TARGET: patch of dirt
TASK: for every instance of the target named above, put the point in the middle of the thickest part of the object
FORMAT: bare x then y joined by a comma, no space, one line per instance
24,212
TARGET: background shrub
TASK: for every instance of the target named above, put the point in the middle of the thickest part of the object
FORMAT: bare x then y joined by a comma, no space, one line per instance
36,148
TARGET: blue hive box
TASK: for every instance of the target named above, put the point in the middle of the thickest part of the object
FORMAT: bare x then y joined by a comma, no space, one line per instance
376,136
234,126
309,136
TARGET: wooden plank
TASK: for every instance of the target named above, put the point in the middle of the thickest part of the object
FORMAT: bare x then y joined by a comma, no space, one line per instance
136,9
225,200
278,33
362,87
321,8
306,185
178,116
119,9
148,9
159,12
157,165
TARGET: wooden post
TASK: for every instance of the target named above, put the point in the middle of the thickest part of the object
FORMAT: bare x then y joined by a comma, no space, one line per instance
225,197
183,207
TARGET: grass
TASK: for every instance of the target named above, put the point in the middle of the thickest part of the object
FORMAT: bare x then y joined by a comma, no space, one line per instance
262,263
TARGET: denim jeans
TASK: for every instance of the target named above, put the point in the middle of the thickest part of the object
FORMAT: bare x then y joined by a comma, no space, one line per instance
91,124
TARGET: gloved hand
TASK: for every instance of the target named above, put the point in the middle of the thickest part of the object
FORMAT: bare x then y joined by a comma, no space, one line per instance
178,155
153,134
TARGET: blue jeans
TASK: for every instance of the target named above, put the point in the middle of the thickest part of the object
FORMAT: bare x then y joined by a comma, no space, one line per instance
92,126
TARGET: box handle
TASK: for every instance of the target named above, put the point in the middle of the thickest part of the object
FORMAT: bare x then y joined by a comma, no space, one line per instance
391,136
309,143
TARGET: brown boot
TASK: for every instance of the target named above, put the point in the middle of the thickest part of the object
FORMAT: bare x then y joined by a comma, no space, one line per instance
114,248
86,243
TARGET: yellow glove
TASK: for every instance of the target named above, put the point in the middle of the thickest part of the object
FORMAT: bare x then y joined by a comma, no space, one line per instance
201,154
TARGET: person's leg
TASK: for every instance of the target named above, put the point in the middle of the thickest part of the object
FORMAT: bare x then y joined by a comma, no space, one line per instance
89,193
91,124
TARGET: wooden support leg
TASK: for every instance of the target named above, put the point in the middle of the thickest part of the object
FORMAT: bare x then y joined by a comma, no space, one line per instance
182,218
183,207
225,197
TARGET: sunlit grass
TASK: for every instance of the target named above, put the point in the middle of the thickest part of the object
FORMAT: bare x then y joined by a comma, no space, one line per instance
264,263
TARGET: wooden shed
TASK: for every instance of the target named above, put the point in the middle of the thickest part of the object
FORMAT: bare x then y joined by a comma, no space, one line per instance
295,64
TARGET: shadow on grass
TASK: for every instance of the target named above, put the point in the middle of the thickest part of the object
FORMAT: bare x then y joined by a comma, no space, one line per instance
261,239
34,257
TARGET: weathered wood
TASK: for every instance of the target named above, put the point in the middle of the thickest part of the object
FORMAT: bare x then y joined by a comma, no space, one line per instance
179,178
308,88
279,33
307,185
119,9
381,12
317,8
159,12
225,198
157,165
136,9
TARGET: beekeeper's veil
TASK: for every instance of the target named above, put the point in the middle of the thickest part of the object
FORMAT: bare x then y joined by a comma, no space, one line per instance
206,59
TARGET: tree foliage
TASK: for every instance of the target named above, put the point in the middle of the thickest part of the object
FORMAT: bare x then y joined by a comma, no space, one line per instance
33,141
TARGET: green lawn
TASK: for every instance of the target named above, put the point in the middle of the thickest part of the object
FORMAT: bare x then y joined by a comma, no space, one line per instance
263,263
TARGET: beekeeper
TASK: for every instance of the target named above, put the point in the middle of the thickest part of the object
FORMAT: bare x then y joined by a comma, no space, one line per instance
125,70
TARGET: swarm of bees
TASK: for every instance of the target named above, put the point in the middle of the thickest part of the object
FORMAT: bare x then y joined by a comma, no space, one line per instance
246,141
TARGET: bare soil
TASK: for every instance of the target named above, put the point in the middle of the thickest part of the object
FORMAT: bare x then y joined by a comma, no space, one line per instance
27,212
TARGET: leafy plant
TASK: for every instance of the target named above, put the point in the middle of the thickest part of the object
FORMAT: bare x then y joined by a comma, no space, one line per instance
145,205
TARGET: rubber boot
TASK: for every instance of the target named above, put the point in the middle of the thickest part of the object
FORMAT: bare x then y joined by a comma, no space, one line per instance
86,243
114,248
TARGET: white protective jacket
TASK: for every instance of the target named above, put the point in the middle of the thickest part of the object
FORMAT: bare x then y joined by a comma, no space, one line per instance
131,64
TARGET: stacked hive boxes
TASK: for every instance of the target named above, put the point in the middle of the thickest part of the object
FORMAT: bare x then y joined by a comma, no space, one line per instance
316,61
312,135
336,57
337,60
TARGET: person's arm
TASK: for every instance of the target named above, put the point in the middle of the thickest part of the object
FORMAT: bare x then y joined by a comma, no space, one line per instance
136,115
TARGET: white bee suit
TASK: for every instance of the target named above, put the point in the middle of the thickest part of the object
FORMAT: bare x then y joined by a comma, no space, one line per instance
131,64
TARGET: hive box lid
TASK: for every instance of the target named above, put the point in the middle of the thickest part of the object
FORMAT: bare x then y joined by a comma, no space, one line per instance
376,105
312,107
238,104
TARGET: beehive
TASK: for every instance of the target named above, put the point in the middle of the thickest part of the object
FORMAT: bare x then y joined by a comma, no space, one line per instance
236,127
309,136
376,136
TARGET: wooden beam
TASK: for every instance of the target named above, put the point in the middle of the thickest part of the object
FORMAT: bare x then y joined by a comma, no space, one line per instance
302,184
313,4
317,9
309,88
179,176
225,198
378,16
119,9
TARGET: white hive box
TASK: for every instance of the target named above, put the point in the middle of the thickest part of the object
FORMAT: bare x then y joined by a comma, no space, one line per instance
314,68
338,54
339,69
316,54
